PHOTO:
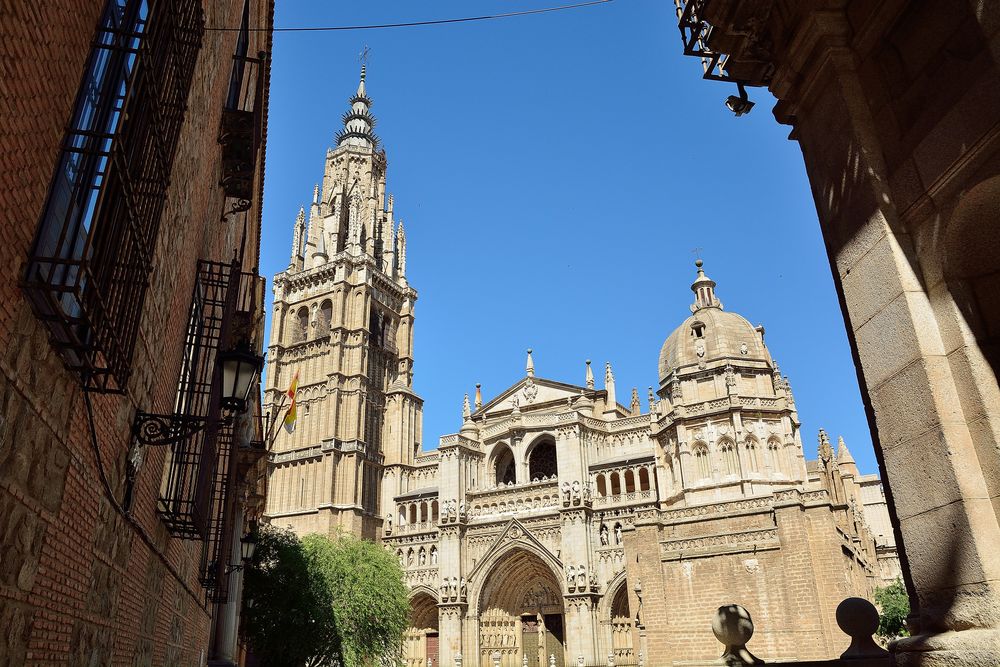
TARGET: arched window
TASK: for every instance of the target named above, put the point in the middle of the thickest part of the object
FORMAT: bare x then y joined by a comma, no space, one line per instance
542,460
423,512
753,462
413,513
504,470
325,317
616,484
777,454
643,479
402,515
629,482
434,510
730,461
701,462
602,489
302,325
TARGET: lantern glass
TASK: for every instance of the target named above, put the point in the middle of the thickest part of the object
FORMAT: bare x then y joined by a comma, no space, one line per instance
247,546
240,367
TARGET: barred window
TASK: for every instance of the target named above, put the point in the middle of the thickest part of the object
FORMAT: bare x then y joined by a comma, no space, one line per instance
91,257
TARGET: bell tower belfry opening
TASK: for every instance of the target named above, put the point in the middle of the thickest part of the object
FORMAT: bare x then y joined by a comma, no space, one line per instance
343,326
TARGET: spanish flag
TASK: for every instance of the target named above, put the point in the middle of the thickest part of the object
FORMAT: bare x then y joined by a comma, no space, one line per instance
292,413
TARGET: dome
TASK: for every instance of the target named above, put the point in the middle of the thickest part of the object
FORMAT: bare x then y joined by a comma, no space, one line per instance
710,334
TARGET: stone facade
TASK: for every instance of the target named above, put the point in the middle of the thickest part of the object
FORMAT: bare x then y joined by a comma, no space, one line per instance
895,106
81,581
343,325
557,522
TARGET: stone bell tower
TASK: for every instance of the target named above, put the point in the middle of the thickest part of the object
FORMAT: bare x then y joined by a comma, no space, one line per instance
343,321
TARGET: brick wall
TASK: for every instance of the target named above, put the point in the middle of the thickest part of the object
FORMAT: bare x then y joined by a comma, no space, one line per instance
80,583
790,586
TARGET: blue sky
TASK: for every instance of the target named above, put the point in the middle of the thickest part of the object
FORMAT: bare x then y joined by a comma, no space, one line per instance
554,173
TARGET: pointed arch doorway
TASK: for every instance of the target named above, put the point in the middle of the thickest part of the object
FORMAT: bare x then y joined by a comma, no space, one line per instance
521,613
420,639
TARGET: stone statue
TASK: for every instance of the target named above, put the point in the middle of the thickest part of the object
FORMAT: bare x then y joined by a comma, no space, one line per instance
401,559
423,557
565,492
461,510
388,524
581,577
463,589
618,533
605,539
409,557
576,492
586,492
444,589
571,577
593,582
434,556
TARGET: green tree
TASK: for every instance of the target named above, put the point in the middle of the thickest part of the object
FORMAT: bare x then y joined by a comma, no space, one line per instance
286,617
369,600
894,606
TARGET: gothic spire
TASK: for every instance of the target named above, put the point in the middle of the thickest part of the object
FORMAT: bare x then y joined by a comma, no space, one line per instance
609,385
529,367
590,376
479,396
358,121
635,407
704,291
297,237
843,453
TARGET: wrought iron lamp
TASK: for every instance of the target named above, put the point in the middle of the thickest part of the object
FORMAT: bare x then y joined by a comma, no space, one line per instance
247,547
239,368
741,104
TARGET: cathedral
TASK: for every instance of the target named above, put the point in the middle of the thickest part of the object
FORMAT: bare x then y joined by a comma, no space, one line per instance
557,526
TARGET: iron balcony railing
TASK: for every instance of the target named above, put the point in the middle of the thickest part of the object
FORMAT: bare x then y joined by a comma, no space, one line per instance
241,127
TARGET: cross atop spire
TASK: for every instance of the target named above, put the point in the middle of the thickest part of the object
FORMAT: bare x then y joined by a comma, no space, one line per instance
358,121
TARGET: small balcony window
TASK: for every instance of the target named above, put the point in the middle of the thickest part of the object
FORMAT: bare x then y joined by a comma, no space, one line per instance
240,129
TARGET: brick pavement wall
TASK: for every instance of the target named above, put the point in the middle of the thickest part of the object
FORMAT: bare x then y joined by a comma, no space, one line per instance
79,583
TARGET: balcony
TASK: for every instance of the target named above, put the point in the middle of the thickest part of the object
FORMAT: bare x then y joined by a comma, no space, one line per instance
240,129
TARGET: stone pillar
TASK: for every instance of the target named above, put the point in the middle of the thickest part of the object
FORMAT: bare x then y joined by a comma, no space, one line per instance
580,626
450,617
933,467
450,562
225,622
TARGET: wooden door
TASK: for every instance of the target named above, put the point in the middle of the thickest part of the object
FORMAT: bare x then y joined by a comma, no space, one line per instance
432,649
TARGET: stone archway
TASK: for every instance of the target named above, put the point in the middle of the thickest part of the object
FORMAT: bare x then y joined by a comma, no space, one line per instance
621,624
521,612
420,639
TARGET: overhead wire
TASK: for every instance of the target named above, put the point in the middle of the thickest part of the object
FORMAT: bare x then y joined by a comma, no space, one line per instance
411,24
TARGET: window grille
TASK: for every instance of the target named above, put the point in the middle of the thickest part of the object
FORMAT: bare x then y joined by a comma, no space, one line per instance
233,460
187,487
90,261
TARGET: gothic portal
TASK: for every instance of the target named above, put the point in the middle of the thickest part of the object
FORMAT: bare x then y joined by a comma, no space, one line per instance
557,524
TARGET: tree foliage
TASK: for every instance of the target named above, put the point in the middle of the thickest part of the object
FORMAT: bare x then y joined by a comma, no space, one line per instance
320,602
370,602
286,617
894,606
